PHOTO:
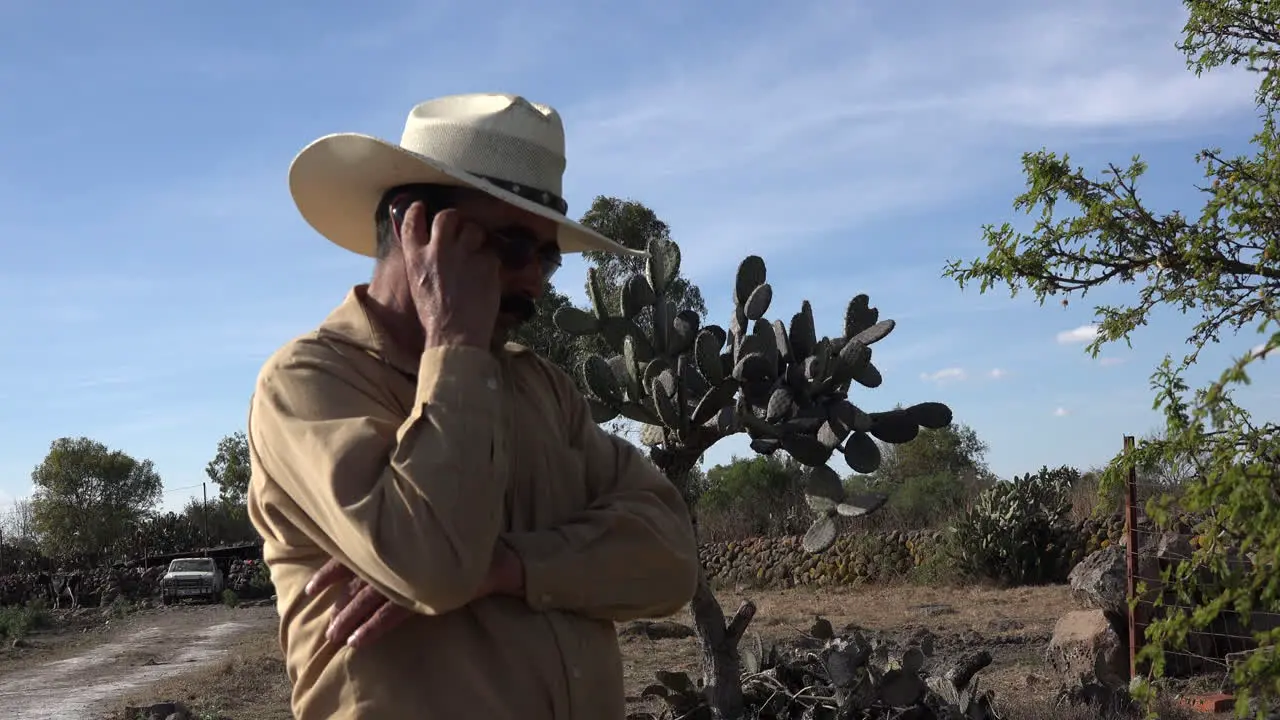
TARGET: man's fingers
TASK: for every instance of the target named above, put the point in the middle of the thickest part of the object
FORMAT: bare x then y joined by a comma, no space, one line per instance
443,226
385,618
332,573
471,238
353,614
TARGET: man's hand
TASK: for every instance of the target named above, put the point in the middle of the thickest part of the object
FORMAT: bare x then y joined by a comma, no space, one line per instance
362,614
453,277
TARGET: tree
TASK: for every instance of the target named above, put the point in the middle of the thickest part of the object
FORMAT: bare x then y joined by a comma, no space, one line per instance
219,522
929,479
954,451
229,469
1220,264
633,225
690,386
89,498
760,495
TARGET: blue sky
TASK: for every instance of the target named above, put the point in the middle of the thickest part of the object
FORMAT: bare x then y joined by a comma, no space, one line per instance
153,257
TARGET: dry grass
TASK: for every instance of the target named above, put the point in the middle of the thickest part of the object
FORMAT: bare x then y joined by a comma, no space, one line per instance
250,685
1014,624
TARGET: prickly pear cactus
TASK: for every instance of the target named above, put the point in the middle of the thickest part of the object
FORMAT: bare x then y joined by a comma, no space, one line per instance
780,383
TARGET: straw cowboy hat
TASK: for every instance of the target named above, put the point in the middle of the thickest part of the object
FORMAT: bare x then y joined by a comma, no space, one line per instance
499,144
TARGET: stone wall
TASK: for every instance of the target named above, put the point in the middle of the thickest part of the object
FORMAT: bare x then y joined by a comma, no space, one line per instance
103,586
777,562
856,558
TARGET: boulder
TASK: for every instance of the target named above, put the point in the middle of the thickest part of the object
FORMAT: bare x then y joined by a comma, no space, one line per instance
1098,582
1086,650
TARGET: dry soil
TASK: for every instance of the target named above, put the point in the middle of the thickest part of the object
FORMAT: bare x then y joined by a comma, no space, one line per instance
225,663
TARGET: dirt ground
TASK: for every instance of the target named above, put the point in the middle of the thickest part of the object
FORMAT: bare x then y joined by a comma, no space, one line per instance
225,663
92,658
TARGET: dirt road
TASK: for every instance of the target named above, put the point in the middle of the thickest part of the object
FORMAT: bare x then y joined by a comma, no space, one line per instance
70,678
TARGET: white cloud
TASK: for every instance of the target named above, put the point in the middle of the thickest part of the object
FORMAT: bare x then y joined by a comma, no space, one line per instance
945,375
1111,361
839,113
1061,412
1082,334
997,373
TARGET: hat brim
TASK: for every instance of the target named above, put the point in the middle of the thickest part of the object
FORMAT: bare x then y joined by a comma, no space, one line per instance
338,180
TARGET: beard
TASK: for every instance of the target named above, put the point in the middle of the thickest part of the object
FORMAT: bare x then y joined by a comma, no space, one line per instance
520,308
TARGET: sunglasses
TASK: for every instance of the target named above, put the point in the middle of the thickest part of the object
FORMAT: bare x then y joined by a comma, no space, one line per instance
516,247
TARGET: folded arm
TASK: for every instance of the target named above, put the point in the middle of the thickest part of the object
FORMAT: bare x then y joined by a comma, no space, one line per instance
413,506
631,553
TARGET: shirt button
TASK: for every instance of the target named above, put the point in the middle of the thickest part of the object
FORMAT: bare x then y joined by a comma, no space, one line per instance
577,674
493,384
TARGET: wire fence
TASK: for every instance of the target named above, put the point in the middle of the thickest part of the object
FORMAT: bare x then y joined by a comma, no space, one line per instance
1154,550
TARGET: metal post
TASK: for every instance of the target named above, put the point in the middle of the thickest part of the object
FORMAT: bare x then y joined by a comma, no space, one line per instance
205,507
1131,556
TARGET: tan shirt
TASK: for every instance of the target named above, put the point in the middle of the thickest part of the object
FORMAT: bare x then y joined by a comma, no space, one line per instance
408,470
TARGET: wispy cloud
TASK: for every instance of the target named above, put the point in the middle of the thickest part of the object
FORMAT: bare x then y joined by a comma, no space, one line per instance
997,373
945,375
860,120
1082,334
1061,412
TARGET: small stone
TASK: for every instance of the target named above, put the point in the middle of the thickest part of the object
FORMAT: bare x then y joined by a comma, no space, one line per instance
821,629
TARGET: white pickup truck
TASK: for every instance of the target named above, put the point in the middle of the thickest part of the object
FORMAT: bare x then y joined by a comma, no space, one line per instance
192,577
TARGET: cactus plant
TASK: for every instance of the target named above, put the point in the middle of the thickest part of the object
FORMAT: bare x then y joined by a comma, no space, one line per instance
690,385
854,675
1018,531
786,388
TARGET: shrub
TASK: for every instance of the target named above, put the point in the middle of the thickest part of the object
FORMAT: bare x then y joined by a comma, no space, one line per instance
18,620
1018,532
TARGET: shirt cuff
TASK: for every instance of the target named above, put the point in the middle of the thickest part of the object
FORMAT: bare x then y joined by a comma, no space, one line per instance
547,583
455,374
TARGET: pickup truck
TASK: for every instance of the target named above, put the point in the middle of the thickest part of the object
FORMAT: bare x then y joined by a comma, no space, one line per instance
192,577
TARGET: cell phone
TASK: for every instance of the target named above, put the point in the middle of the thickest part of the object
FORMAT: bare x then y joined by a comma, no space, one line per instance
401,206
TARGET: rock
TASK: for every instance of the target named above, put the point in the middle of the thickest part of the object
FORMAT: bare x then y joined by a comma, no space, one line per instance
1086,650
821,629
1098,582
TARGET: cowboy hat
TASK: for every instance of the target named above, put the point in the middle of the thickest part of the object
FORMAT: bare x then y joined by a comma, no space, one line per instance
498,144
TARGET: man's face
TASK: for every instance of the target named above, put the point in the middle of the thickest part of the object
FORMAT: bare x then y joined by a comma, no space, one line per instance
521,287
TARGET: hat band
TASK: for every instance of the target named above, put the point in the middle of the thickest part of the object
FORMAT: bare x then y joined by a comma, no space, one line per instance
548,200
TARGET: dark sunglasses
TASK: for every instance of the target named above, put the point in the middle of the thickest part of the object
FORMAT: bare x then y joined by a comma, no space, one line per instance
516,247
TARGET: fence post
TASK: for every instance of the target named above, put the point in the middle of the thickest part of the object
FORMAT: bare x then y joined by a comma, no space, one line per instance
1131,557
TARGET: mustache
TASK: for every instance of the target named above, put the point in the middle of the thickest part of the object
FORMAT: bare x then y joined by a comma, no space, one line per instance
520,306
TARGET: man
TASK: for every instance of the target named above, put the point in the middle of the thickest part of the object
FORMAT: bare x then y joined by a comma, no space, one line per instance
457,477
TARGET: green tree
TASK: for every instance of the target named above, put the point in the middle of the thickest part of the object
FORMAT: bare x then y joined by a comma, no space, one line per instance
1220,265
633,225
757,496
219,522
89,498
229,469
954,451
929,479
